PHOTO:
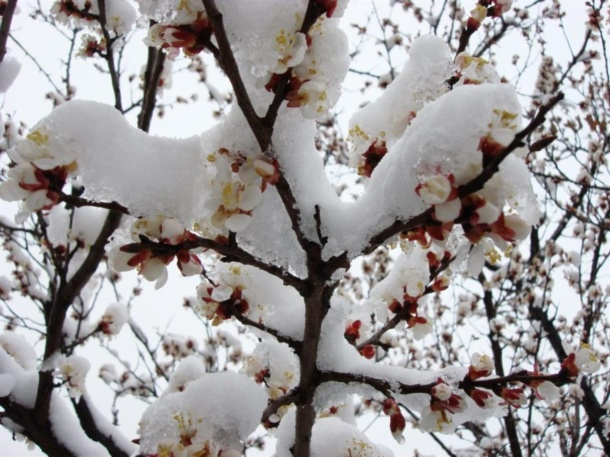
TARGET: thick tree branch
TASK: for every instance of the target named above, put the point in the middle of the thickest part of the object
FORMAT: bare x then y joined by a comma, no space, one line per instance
66,294
36,428
152,74
227,62
5,26
263,131
90,427
232,253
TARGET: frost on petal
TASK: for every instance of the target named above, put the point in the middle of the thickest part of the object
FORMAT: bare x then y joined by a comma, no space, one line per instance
251,197
442,391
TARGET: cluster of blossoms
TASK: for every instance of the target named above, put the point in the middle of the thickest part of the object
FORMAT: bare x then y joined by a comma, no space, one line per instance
79,11
209,415
178,346
275,366
91,46
151,251
220,302
189,29
486,223
191,38
189,446
120,15
38,176
492,8
239,184
299,56
72,370
404,292
443,401
420,326
474,70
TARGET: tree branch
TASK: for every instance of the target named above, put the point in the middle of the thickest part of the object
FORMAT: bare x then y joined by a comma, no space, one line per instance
474,185
5,26
227,62
90,427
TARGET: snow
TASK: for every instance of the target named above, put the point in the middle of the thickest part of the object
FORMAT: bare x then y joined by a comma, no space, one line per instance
183,178
222,407
9,69
120,15
5,287
13,353
280,364
421,81
190,369
19,349
83,225
330,437
107,428
7,383
67,429
128,165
